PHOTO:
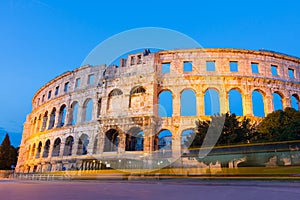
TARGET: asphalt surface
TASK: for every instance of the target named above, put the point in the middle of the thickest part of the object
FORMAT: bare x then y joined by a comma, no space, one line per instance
149,190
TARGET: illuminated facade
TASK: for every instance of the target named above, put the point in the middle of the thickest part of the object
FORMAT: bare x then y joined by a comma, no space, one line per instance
111,112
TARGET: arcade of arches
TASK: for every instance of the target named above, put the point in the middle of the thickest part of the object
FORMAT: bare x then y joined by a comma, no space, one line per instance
116,140
138,108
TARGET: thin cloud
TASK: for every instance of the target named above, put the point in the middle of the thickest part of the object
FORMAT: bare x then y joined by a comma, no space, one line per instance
42,4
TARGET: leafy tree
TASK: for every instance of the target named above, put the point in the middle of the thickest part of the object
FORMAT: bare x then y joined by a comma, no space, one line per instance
201,130
8,154
280,126
233,130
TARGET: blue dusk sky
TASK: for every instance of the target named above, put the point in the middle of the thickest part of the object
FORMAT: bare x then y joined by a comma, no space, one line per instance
41,39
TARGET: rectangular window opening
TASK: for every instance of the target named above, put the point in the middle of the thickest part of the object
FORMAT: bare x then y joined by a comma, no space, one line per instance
132,61
56,90
66,88
233,66
291,73
49,94
254,67
210,66
274,70
77,83
91,79
139,59
165,68
187,66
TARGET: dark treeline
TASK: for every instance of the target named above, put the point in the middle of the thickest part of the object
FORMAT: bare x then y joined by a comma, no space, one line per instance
8,154
276,127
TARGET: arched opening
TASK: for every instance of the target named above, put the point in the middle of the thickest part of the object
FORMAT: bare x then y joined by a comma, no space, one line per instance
95,147
56,147
62,116
68,146
99,107
115,100
87,110
137,97
33,126
52,119
39,150
134,140
163,140
258,106
295,102
111,140
187,137
45,119
46,149
165,101
235,102
74,113
38,124
33,151
188,105
83,143
211,102
28,152
277,101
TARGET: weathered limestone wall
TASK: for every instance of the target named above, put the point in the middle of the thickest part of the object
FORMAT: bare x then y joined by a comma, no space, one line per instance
117,105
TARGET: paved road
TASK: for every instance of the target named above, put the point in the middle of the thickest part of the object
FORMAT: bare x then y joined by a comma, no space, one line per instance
148,190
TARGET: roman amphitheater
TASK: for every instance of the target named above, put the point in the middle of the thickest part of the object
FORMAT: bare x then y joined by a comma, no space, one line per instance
104,116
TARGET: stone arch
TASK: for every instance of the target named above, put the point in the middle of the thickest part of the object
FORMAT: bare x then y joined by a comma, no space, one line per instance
68,146
295,101
39,150
38,124
87,110
235,101
263,93
115,100
163,140
235,88
45,119
188,103
33,150
99,107
137,97
277,98
52,118
33,125
258,103
28,152
62,115
137,90
134,139
95,146
115,92
211,102
187,137
83,143
165,102
111,141
74,113
56,147
46,149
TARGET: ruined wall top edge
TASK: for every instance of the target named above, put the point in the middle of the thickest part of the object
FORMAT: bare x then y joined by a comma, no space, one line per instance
198,55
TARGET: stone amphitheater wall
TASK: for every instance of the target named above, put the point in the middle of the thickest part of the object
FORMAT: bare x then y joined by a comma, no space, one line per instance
128,96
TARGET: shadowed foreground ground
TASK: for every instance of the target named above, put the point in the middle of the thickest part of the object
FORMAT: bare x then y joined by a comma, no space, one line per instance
170,189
